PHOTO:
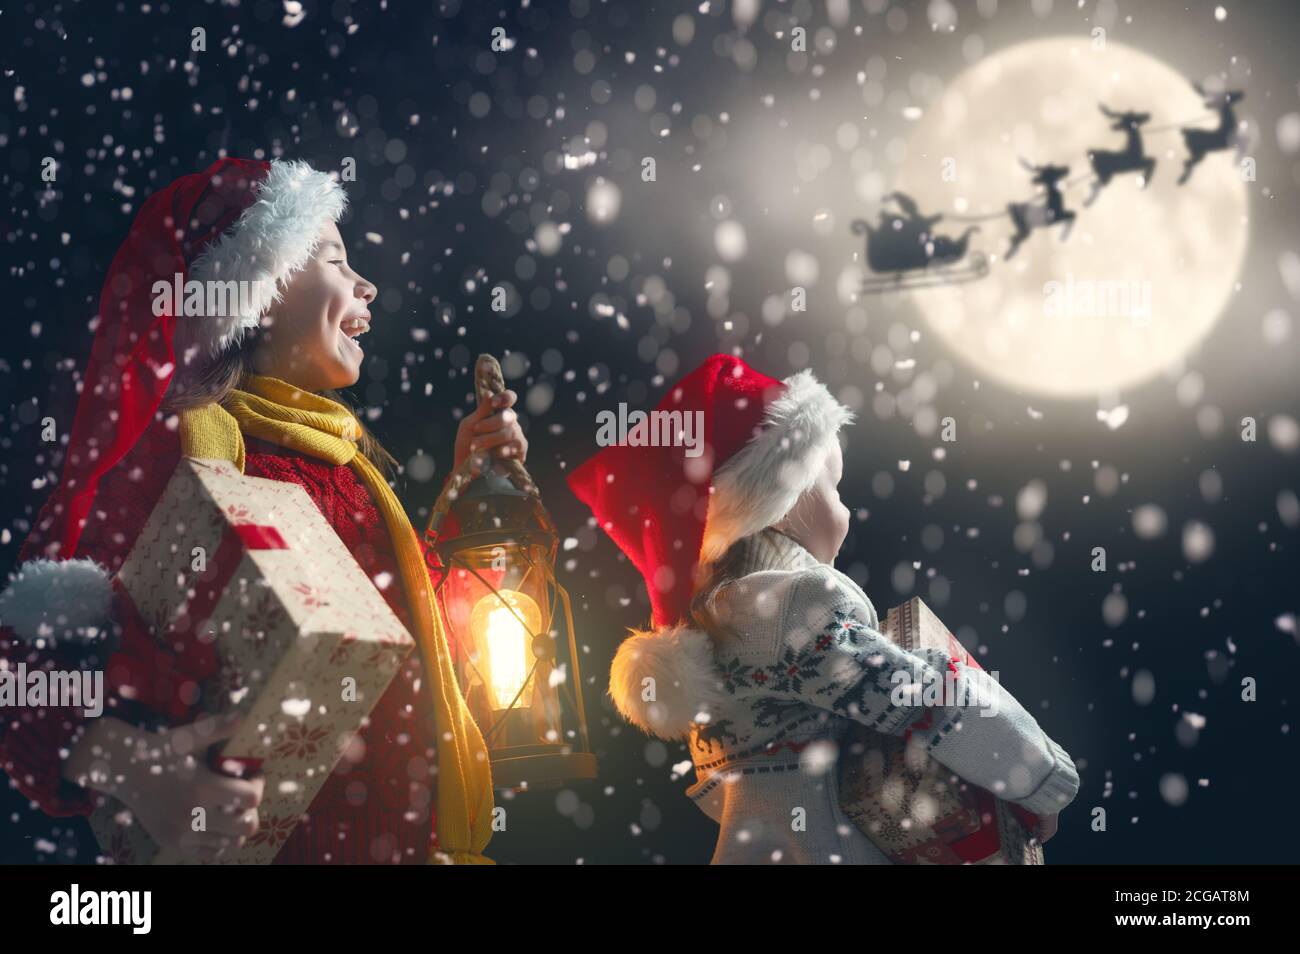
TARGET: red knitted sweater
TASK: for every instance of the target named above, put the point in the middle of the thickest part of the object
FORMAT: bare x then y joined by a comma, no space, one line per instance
378,806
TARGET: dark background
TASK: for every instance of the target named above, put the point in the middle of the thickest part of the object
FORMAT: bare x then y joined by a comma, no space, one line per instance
117,97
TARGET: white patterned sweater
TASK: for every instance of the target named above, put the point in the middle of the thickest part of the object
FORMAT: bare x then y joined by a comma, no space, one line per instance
792,657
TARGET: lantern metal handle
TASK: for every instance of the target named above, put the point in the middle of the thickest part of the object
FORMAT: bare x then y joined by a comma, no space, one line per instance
488,383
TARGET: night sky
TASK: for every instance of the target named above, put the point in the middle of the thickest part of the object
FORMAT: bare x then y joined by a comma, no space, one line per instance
462,184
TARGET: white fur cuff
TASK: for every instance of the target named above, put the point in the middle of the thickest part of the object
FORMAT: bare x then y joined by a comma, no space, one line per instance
60,601
664,680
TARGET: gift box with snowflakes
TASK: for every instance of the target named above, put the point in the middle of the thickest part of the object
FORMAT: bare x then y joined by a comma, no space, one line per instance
258,607
912,807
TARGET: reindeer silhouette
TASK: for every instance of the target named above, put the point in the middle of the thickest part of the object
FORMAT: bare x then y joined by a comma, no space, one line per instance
1026,216
714,732
768,711
1107,164
1200,142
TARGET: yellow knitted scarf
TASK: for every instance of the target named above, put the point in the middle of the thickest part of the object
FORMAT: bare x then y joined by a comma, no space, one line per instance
275,411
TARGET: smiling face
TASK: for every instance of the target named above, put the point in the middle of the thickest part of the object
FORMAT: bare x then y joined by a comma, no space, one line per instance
309,338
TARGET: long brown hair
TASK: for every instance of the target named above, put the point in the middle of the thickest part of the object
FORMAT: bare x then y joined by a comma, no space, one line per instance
213,380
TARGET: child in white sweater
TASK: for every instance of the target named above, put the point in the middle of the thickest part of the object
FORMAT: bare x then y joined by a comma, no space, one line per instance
774,654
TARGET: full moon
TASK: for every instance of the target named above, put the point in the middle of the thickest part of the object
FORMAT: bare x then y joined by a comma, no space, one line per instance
1145,272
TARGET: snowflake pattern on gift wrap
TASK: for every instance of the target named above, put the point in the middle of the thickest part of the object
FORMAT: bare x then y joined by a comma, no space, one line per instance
160,621
382,646
272,831
891,829
238,513
342,650
312,597
301,742
120,847
266,616
389,640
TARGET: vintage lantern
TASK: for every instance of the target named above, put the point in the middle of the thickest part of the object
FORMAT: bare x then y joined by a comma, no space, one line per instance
510,619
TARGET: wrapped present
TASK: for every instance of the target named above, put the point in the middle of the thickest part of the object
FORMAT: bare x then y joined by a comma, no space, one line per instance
912,807
261,609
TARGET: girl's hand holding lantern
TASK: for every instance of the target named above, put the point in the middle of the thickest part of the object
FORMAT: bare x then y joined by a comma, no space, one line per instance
492,431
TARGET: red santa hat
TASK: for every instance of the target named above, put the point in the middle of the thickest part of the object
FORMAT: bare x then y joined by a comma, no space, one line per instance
241,220
673,514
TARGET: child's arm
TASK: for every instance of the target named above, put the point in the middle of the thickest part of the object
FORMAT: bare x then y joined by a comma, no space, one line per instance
831,657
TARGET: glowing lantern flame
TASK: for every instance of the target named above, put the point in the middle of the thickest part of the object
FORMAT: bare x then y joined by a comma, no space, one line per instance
503,625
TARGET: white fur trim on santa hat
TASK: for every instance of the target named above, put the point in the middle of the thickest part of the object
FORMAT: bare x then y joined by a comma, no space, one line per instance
761,483
273,238
664,680
60,601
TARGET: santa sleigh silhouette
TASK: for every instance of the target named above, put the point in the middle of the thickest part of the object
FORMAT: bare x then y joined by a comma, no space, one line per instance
904,252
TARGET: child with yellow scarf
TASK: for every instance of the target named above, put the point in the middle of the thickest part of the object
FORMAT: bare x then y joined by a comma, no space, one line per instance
254,383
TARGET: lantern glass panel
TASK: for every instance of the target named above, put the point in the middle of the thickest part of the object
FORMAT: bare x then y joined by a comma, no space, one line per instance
499,602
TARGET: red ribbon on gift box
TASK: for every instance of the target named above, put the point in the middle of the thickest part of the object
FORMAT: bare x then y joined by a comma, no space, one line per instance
159,671
985,842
